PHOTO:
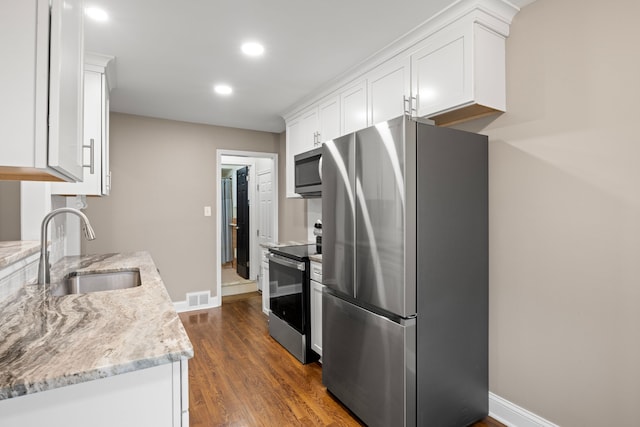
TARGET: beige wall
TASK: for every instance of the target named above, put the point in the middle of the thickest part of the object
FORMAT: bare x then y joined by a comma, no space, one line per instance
564,189
9,210
163,175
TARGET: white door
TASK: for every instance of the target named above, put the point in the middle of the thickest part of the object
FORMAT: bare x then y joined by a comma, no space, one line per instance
265,200
265,226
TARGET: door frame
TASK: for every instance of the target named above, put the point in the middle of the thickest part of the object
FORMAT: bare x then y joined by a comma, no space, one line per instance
274,170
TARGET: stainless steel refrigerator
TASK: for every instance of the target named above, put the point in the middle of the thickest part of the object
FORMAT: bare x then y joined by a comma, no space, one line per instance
405,264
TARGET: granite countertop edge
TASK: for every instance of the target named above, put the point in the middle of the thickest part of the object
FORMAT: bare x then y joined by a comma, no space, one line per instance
14,251
52,342
314,257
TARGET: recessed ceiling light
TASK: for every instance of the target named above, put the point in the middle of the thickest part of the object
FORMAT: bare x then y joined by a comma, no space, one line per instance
96,14
253,49
223,89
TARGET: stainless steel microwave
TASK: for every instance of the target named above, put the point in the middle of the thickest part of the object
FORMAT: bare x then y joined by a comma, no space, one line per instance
308,178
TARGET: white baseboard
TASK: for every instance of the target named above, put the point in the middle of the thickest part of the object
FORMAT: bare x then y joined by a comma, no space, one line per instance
183,306
512,415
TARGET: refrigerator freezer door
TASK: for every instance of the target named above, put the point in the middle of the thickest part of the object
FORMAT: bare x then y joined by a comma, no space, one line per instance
338,212
369,363
385,216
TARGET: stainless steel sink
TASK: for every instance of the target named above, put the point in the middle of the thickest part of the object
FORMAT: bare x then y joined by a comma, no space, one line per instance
79,283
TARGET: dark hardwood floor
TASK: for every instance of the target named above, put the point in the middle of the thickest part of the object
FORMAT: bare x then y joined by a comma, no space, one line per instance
240,376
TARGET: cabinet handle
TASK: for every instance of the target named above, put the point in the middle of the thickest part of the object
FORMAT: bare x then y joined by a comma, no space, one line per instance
410,106
91,148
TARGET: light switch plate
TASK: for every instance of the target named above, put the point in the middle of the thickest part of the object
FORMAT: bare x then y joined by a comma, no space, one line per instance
207,211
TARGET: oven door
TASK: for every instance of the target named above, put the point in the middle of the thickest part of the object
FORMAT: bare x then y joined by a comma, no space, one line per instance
287,278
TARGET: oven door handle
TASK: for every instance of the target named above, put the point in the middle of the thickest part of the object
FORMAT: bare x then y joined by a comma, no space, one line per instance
287,262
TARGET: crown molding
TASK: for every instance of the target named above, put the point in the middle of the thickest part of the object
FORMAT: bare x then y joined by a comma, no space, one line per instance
102,64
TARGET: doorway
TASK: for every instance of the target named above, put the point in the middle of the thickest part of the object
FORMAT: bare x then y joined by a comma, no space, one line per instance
242,222
246,217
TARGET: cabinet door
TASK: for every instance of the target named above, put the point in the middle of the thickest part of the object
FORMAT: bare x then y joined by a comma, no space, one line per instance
22,26
353,101
106,169
66,87
316,317
146,397
308,130
40,128
389,86
94,150
329,118
292,146
265,286
441,71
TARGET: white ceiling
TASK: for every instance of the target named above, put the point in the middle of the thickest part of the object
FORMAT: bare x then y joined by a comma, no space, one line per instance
170,53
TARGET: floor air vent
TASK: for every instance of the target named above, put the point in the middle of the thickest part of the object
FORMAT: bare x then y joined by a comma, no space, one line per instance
196,299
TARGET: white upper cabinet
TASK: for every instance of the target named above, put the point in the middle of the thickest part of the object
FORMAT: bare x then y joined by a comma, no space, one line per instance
458,73
41,109
309,130
389,90
449,69
309,126
353,100
329,119
97,176
302,135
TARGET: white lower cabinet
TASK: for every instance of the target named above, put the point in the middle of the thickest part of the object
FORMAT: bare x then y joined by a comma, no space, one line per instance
316,307
264,282
157,396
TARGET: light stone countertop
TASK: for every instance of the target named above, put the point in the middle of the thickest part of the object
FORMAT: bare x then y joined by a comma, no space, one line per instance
268,245
316,258
50,342
12,251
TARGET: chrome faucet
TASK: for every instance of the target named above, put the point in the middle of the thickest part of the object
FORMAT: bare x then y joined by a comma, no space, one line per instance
43,265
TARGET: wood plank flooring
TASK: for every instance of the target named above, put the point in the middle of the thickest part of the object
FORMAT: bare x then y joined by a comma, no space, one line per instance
240,376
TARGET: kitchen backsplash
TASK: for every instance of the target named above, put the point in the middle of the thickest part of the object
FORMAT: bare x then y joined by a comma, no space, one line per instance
314,213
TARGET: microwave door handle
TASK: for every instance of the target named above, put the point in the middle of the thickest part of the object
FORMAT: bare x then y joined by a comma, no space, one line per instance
320,168
287,263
